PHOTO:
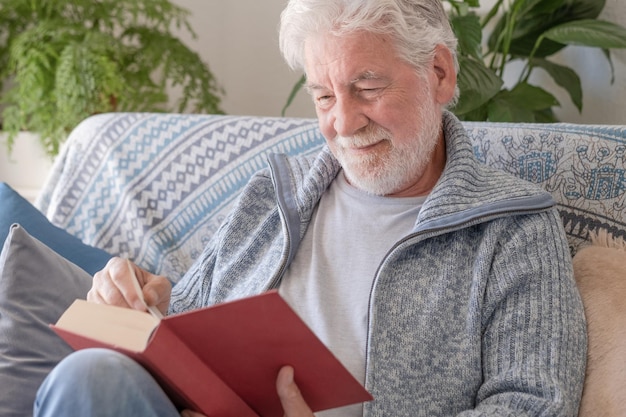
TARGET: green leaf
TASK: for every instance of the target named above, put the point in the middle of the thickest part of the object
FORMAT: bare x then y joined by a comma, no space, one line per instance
564,77
477,115
533,97
462,7
469,33
492,13
607,54
586,9
520,104
525,33
538,16
502,110
545,116
294,91
473,3
593,33
532,8
477,84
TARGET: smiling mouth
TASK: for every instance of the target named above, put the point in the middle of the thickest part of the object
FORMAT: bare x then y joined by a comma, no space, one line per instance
365,147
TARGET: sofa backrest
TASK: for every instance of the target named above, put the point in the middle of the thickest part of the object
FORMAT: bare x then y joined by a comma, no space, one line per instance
582,166
155,187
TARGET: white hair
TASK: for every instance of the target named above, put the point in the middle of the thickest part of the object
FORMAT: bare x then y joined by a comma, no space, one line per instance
416,26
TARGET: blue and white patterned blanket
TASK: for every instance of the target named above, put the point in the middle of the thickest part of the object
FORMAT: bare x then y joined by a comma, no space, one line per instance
154,187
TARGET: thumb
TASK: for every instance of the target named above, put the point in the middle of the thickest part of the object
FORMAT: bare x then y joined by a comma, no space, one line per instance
290,396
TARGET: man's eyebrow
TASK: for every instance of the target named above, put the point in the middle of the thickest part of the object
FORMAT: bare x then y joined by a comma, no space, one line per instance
309,87
366,75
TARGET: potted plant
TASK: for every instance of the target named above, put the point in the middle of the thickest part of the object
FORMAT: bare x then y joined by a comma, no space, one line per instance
529,31
63,60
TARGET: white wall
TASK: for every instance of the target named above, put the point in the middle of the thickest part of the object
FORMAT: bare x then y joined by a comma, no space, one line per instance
239,41
603,103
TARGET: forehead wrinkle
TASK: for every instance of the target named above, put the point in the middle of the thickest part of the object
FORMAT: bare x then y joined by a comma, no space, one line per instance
365,75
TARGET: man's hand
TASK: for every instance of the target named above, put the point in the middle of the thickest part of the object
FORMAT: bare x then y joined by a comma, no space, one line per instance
113,285
289,394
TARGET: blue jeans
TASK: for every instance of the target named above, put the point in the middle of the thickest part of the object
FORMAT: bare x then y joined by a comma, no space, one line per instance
99,383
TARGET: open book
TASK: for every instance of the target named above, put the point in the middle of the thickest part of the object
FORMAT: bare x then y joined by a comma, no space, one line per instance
221,360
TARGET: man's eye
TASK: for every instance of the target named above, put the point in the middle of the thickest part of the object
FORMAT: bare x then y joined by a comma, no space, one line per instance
370,91
323,101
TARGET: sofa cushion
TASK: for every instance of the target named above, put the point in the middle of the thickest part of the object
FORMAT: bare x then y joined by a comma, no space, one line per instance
600,271
16,209
36,286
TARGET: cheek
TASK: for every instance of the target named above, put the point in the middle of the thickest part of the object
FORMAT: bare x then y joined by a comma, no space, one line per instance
326,126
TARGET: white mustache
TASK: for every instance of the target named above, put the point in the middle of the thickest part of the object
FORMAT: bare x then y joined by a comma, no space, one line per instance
364,139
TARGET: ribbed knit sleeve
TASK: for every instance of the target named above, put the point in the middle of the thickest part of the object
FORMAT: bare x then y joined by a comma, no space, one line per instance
534,341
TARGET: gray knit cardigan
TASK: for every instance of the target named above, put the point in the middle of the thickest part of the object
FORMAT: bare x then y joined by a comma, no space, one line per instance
474,313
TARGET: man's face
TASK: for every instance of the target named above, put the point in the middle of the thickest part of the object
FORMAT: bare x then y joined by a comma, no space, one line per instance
381,120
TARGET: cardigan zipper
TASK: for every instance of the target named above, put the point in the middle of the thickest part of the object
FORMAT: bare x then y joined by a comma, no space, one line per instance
426,234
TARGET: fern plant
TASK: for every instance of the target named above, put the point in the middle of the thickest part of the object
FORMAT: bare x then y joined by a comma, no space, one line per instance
63,60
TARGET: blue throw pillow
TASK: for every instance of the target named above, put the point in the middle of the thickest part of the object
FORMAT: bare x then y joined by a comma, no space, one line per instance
16,209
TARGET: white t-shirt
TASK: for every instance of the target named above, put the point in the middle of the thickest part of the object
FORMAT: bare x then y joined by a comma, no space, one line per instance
329,281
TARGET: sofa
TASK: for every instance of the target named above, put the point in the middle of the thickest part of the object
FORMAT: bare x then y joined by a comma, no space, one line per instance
154,187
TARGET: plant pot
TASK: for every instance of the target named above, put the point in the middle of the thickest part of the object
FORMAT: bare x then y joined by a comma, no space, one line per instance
25,169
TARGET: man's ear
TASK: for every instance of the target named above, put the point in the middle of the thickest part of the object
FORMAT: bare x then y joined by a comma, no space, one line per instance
444,70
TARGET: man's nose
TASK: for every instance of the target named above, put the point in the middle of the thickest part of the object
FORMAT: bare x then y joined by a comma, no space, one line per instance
348,117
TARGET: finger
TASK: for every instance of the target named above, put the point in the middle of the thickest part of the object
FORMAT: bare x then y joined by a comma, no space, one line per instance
114,285
289,394
104,289
94,297
157,292
124,284
122,273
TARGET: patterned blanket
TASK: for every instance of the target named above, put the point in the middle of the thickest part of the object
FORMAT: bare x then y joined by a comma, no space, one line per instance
154,187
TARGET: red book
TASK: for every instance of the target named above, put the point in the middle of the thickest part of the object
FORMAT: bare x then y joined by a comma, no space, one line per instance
221,360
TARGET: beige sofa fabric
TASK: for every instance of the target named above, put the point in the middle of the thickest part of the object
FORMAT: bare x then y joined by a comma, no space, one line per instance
600,271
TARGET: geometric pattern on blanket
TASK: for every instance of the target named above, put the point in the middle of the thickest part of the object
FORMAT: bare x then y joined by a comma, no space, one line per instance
155,187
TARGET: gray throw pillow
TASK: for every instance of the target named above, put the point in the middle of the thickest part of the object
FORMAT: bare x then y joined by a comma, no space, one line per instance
36,286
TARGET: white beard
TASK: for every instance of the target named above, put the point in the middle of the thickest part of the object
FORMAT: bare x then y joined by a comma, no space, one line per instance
395,167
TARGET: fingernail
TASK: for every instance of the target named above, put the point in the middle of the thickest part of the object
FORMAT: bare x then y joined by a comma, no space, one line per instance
290,375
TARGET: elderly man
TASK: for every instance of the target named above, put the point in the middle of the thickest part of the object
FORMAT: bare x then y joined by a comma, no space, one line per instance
444,286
